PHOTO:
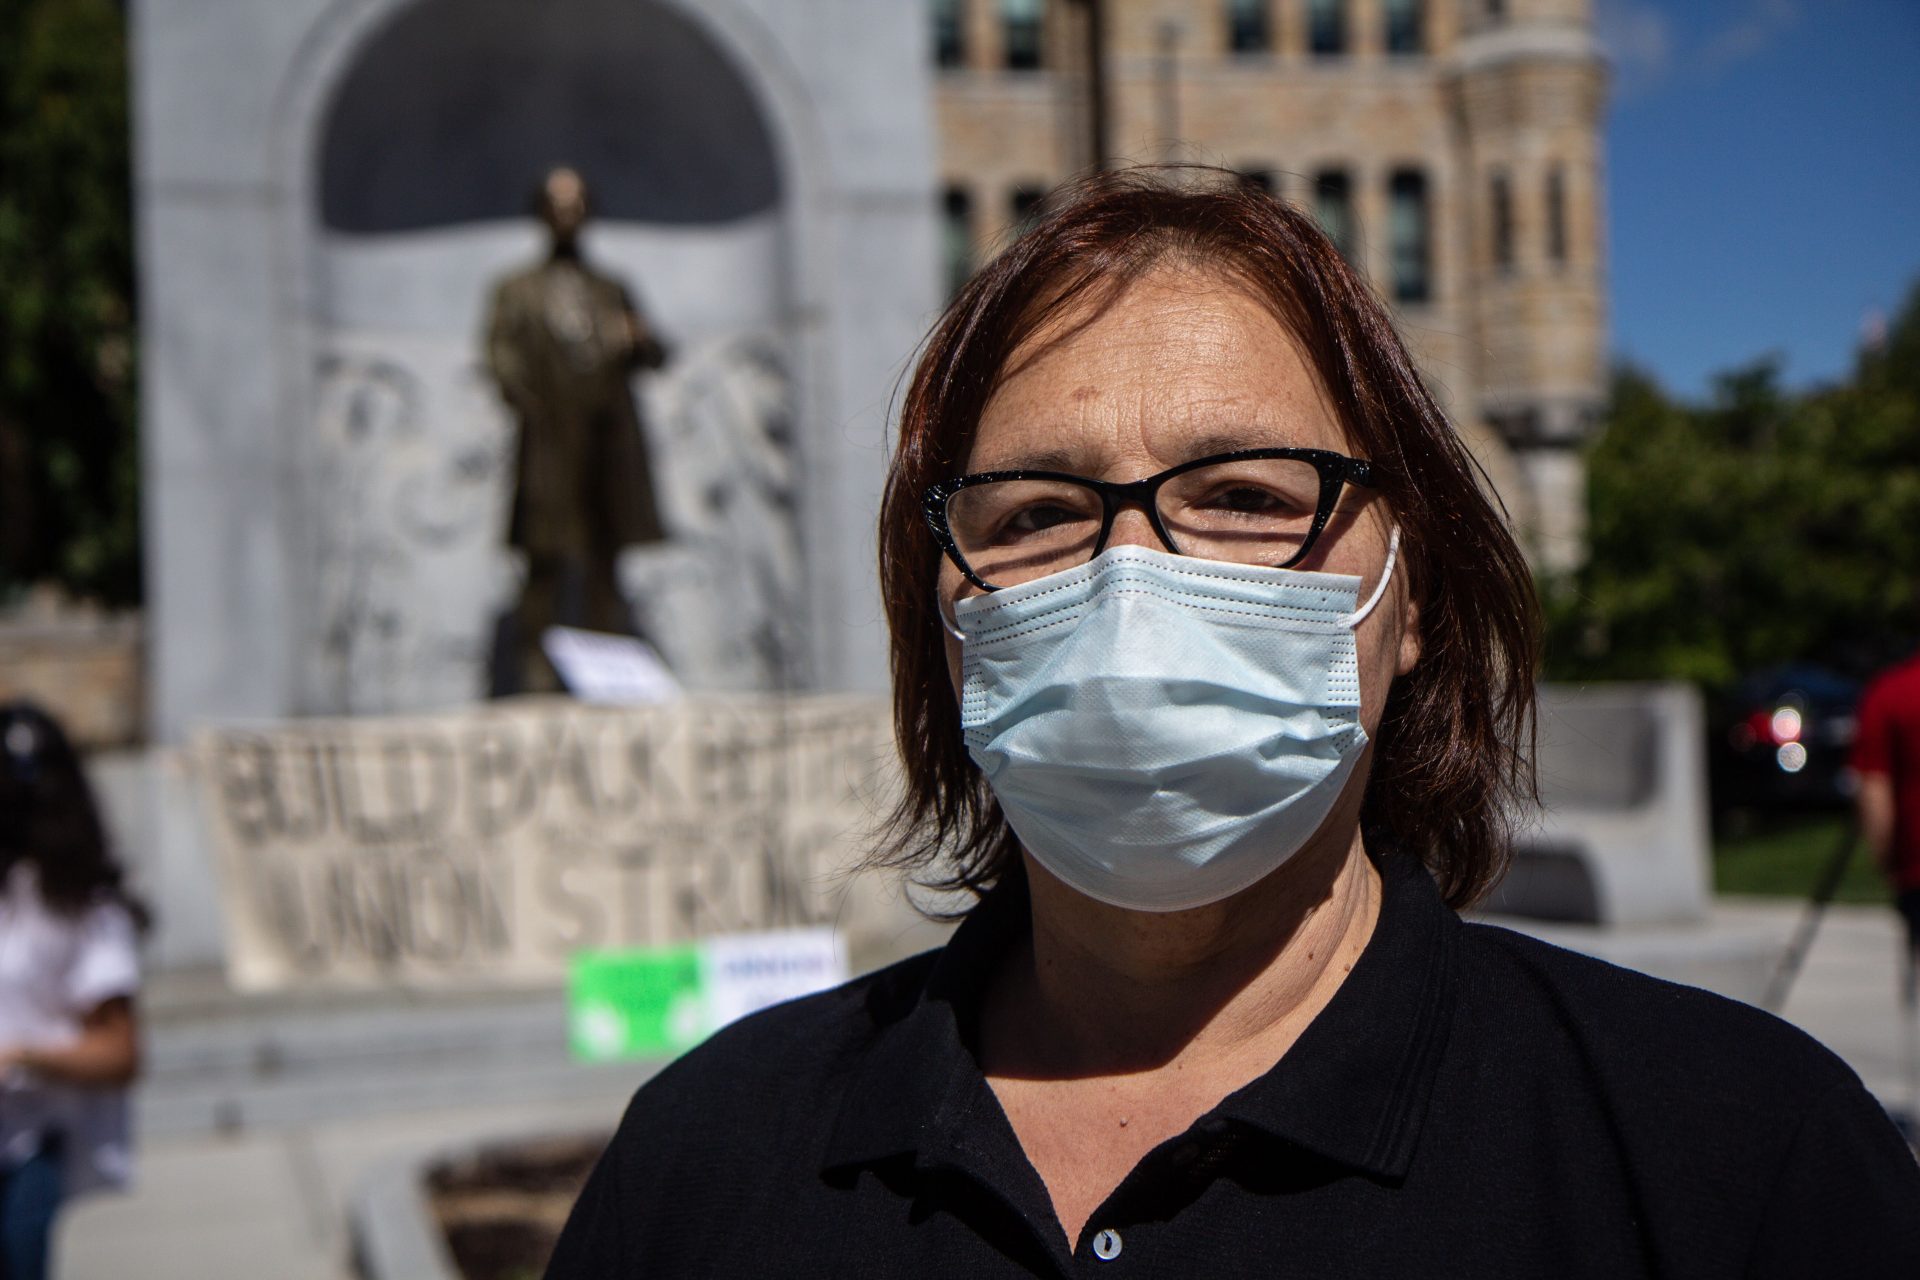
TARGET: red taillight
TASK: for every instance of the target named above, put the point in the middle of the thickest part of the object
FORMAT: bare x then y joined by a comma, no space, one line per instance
1775,728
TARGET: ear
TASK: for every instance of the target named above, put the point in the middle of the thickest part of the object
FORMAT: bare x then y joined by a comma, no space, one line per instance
1411,643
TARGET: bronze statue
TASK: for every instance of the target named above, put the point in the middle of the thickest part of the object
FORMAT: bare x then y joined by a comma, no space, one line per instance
562,341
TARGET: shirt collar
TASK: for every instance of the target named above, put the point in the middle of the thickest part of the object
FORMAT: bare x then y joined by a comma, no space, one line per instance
1353,1089
920,1086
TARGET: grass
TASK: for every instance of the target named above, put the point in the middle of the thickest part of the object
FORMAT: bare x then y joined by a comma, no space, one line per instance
1786,856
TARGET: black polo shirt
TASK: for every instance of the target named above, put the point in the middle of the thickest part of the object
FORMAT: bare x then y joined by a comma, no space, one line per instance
1472,1102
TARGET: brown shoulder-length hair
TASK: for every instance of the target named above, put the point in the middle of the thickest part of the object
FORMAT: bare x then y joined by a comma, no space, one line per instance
1447,765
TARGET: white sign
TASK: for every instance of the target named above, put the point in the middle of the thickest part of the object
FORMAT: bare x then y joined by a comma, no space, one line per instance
490,845
743,973
609,669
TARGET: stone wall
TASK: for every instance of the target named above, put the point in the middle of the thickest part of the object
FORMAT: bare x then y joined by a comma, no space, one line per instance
84,668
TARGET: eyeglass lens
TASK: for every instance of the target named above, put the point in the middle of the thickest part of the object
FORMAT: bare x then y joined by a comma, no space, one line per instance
1251,511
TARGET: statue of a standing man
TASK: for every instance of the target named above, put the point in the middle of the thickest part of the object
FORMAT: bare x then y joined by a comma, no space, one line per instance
562,341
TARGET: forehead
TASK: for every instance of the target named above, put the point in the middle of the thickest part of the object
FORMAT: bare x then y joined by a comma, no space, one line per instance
1183,363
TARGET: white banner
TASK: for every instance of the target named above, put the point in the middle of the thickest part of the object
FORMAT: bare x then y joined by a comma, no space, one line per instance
485,846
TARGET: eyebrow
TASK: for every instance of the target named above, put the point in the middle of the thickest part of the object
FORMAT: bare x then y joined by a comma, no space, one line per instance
1039,460
1223,442
1204,446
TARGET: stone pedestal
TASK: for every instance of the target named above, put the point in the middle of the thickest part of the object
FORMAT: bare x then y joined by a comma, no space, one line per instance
1616,863
1621,835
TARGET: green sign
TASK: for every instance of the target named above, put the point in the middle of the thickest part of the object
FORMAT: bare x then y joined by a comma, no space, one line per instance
654,1002
638,1003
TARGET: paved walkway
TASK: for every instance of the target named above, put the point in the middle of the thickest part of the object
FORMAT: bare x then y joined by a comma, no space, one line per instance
270,1202
1848,994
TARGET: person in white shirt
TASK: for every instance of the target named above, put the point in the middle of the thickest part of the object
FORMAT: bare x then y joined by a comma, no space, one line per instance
69,974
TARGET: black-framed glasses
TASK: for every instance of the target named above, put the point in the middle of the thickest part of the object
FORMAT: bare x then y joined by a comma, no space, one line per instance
1252,506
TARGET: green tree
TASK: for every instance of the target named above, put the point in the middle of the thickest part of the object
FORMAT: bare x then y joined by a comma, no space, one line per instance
69,470
1763,527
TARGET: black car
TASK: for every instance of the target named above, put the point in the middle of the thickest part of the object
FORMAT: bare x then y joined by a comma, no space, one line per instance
1780,741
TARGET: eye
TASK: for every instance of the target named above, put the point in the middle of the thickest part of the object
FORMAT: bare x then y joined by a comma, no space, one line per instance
1021,513
1038,518
1246,499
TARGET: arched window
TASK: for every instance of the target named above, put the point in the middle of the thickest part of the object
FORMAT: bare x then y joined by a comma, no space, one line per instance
1500,220
1025,204
1261,178
1406,27
1333,206
949,34
956,236
1247,29
1557,216
1020,33
1410,228
1327,27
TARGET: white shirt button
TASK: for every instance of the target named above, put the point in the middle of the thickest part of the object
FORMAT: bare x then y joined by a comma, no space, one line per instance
1106,1245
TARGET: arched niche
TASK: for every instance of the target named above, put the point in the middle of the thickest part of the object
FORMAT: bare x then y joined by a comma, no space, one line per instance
430,144
453,103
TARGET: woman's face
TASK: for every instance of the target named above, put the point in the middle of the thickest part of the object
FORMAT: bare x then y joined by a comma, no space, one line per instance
1184,364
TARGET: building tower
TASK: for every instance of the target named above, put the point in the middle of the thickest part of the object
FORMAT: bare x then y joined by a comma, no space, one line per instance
1451,148
1528,87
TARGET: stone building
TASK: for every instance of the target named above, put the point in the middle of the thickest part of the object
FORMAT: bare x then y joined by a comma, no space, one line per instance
1452,147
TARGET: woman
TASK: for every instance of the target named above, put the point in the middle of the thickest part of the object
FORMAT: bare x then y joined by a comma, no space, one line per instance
1211,660
68,976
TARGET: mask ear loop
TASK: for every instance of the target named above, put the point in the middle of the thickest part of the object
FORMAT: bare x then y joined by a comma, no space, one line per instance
1380,589
952,627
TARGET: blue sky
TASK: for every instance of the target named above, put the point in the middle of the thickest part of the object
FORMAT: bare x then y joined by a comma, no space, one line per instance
1764,169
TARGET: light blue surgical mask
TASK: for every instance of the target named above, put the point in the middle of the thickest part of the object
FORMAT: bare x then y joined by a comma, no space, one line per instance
1163,731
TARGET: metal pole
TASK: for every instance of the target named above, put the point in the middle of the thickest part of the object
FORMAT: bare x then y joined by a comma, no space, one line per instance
1910,1015
1796,952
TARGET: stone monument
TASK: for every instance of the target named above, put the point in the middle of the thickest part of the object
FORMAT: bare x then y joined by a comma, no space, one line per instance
325,189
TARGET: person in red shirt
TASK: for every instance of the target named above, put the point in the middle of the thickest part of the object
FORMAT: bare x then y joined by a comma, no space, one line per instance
1886,758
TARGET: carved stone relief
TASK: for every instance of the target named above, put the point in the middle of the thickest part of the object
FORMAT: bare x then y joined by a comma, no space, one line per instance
413,455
